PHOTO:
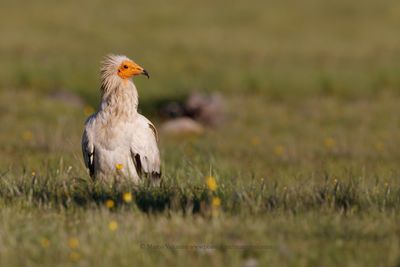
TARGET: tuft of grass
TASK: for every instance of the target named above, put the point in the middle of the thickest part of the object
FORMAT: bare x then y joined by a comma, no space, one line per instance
255,197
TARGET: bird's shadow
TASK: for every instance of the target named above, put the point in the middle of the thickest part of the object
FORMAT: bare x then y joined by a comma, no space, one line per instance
86,193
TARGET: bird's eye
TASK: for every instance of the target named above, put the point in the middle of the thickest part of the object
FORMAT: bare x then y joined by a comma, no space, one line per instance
125,66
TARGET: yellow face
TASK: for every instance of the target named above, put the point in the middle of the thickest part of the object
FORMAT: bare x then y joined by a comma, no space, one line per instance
128,69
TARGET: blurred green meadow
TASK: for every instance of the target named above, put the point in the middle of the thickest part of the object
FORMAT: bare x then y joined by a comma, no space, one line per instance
303,172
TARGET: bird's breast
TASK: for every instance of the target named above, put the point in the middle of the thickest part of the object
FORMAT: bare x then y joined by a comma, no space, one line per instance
113,135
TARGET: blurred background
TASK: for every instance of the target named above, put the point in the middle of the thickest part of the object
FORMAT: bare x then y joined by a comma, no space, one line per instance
300,82
291,137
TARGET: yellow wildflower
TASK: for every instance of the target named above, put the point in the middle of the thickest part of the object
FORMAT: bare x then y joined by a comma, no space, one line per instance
27,135
127,197
45,242
113,225
279,150
329,143
211,183
216,202
74,256
73,243
255,141
110,203
119,166
33,173
88,110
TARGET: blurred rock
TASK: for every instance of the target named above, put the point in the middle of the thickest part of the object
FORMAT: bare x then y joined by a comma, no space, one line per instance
172,109
182,126
207,109
250,262
68,98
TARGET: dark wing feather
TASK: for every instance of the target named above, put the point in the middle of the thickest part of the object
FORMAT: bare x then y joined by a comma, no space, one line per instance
147,160
138,163
88,153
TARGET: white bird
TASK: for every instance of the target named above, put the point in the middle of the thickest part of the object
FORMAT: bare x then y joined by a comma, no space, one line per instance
117,140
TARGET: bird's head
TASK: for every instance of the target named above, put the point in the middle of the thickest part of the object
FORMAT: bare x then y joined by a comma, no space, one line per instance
122,66
128,69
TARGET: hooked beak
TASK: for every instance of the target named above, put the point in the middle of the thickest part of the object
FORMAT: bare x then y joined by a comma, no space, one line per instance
144,72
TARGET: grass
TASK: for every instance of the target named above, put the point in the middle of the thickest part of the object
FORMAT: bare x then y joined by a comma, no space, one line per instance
306,164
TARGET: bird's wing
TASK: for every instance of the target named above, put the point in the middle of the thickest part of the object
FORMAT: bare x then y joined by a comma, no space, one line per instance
88,150
144,149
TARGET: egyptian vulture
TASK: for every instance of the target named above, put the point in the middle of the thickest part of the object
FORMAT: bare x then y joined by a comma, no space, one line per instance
117,140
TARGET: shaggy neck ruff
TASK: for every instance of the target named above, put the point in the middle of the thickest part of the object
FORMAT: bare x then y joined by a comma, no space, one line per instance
119,96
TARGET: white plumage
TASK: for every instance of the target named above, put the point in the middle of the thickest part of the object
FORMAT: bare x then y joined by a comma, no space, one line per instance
117,140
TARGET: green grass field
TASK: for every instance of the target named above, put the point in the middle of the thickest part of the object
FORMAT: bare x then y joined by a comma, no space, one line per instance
306,165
